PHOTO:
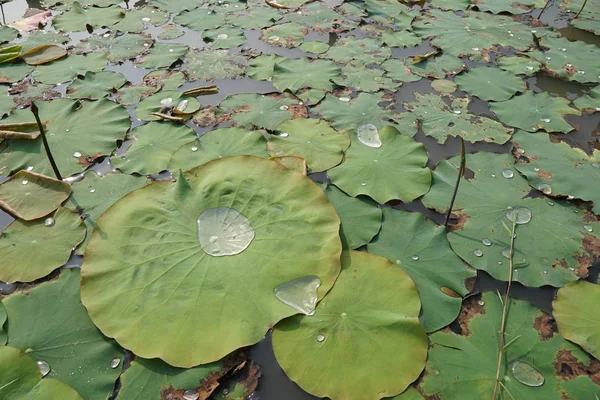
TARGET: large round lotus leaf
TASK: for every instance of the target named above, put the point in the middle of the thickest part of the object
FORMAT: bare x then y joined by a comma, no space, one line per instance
66,4
26,92
394,170
288,35
254,17
532,112
437,67
224,37
7,33
171,32
364,80
164,101
174,6
589,102
519,65
31,250
364,340
442,116
154,145
208,65
361,219
78,17
39,37
253,109
420,247
200,19
151,249
345,113
62,334
28,195
397,70
20,379
402,38
136,19
69,135
162,55
569,171
576,315
68,68
14,71
117,48
510,6
96,85
490,83
321,19
483,206
473,34
575,61
589,16
312,139
216,144
389,11
358,52
295,74
261,67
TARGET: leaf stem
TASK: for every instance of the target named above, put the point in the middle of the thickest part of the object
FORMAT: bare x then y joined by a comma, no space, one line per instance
461,173
543,9
501,347
581,9
36,114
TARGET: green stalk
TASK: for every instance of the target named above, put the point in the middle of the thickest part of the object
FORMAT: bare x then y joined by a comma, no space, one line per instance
543,9
461,173
581,9
36,114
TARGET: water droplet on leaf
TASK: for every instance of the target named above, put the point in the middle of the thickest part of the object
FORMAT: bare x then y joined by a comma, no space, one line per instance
345,99
284,134
545,188
49,222
508,173
194,148
486,242
191,394
320,338
519,215
43,366
232,230
24,182
222,36
478,252
115,363
588,228
368,135
77,154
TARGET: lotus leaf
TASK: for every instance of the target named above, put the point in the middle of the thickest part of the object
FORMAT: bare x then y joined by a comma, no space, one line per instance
320,18
43,54
588,18
433,67
510,6
289,34
255,18
364,80
20,379
519,65
175,6
590,102
473,34
420,247
15,71
224,37
312,139
68,68
132,94
213,64
450,4
395,170
291,3
575,316
261,67
162,55
154,145
144,265
444,86
490,83
25,92
96,85
219,143
483,205
38,38
3,336
75,350
384,11
71,140
171,32
574,61
568,171
295,74
28,195
294,163
534,111
136,19
178,102
66,4
314,46
358,52
117,48
76,18
361,219
200,19
464,366
400,38
442,116
399,71
369,320
311,96
252,109
364,109
7,34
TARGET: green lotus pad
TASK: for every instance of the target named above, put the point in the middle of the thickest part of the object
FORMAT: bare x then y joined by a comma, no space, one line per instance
167,101
78,17
3,336
489,83
31,250
392,168
262,111
519,65
20,379
483,206
576,319
117,48
568,171
464,366
28,195
136,19
287,35
510,6
420,248
346,113
312,139
96,85
72,347
68,68
212,64
364,340
295,74
194,252
358,52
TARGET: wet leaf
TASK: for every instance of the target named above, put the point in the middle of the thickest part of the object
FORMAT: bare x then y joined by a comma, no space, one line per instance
421,249
162,55
254,18
294,163
7,34
261,67
68,68
289,238
400,38
320,18
209,65
437,67
171,32
489,83
295,74
96,85
15,71
314,46
43,54
371,317
345,113
200,19
589,102
287,35
510,6
364,80
136,19
358,52
174,6
166,101
519,65
252,109
76,18
117,48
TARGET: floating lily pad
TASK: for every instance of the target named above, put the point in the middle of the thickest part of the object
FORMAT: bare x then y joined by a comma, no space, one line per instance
154,145
261,67
400,38
296,236
294,163
177,102
212,64
397,70
444,86
96,85
39,37
73,348
314,46
20,379
442,116
364,80
31,250
136,19
589,102
312,139
534,111
71,140
78,17
255,17
321,19
29,196
510,6
68,68
14,71
519,65
295,74
200,19
224,37
117,48
384,11
345,113
8,34
162,55
394,170
371,317
568,171
43,54
174,6
252,109
358,52
588,18
489,83
437,67
482,205
575,319
420,247
287,35
219,143
171,32
450,4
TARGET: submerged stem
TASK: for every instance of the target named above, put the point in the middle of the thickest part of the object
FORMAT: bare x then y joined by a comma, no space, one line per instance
543,9
36,114
461,173
581,9
501,347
